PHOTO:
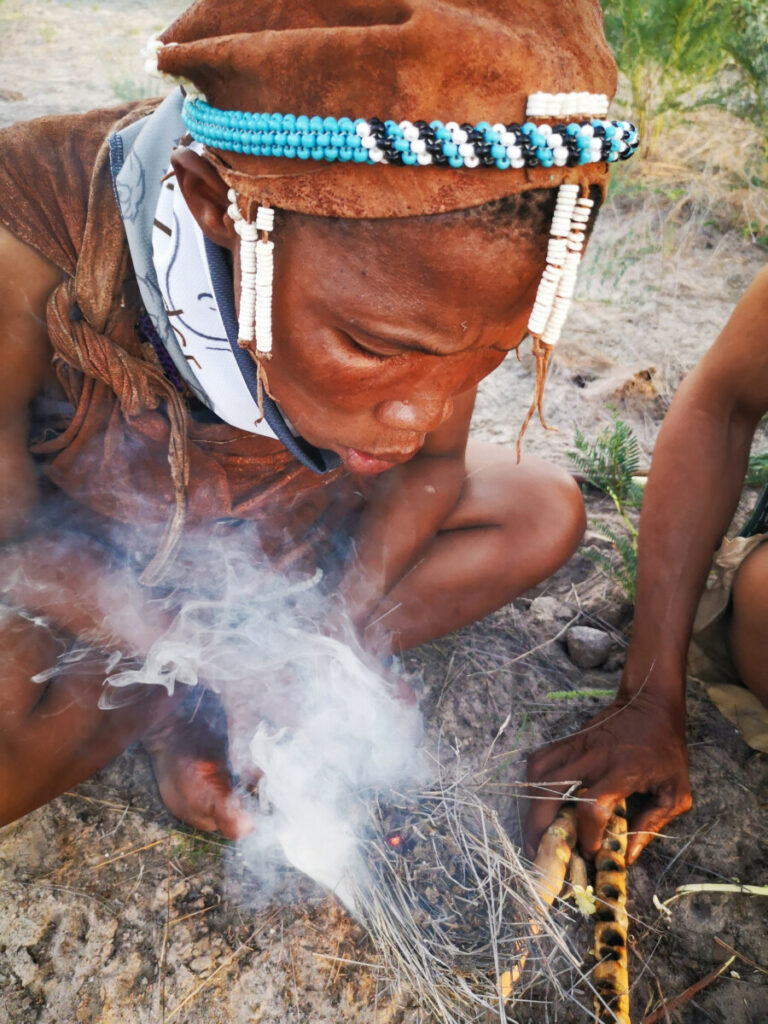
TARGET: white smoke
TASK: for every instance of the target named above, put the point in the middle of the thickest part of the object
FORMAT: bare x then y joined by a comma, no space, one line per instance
309,711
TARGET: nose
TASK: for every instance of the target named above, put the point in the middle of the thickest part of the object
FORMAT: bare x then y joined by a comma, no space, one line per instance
420,413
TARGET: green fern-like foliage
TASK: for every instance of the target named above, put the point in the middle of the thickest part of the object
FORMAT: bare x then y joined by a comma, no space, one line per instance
624,569
609,463
757,470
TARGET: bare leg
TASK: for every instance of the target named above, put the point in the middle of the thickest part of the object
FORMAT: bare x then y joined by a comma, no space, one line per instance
748,626
54,735
513,526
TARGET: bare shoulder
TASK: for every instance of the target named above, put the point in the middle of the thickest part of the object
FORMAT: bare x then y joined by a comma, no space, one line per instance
26,281
735,370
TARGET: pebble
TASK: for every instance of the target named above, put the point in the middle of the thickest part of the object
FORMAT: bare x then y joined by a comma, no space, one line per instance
588,647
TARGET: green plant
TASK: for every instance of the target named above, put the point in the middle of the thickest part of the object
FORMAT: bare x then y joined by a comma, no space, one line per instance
611,463
665,47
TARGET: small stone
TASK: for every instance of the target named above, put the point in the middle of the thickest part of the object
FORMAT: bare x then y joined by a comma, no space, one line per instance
549,610
588,647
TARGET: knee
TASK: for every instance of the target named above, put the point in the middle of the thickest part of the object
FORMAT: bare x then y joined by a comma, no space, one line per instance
750,588
558,509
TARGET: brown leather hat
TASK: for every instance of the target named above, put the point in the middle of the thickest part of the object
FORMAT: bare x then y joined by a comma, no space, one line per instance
454,60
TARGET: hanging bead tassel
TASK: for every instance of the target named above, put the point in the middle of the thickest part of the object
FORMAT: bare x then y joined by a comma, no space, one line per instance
558,283
256,277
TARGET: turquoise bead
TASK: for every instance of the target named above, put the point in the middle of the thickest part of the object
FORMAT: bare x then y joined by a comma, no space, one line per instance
289,121
492,136
316,124
275,122
572,129
451,149
482,126
265,150
330,124
277,151
410,158
537,139
331,153
442,134
345,153
302,153
502,162
360,155
546,157
498,151
401,146
302,123
308,140
337,139
318,153
281,138
294,139
529,127
346,124
456,160
323,139
290,151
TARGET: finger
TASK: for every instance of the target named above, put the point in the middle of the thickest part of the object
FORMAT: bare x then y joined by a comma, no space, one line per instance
232,819
545,799
649,822
593,811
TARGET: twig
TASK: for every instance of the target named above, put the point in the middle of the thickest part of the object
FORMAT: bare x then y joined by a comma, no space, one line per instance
680,1000
130,853
744,890
741,956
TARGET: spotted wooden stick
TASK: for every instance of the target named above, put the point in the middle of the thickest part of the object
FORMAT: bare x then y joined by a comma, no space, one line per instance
611,978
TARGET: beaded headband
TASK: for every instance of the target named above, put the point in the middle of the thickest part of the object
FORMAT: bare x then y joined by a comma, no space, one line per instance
591,140
418,143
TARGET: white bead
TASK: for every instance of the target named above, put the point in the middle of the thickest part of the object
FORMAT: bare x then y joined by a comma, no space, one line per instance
514,153
459,136
517,163
586,202
452,126
376,154
560,155
363,129
424,159
411,133
508,139
500,128
569,189
231,195
560,229
471,161
545,129
418,146
466,149
265,218
554,139
369,142
405,124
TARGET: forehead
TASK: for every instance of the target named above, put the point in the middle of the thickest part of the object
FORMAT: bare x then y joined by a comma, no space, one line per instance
417,264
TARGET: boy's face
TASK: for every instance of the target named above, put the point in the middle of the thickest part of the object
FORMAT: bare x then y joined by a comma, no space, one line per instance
378,325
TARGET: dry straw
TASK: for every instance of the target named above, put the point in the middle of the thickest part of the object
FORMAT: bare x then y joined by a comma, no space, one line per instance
455,911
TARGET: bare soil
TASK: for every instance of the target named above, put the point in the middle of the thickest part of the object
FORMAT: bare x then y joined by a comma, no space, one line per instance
112,913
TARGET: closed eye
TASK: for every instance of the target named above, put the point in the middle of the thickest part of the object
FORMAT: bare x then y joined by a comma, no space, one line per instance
367,351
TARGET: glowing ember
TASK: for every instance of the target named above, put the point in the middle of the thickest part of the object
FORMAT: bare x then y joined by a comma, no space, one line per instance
394,839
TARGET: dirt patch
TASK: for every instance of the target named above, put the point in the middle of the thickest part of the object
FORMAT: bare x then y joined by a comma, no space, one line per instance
111,913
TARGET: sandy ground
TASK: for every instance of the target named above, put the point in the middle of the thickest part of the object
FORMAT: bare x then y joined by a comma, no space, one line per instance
110,913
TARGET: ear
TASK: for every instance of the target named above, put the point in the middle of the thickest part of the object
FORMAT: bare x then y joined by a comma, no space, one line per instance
206,196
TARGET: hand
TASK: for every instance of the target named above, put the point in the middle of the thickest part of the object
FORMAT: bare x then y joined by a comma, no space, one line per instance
637,745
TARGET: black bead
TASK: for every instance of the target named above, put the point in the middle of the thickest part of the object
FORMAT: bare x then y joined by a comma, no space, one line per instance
626,155
487,160
531,161
439,159
374,120
559,129
514,127
483,150
420,124
600,131
467,127
434,147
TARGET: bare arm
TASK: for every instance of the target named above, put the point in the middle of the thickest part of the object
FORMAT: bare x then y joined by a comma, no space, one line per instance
638,744
64,579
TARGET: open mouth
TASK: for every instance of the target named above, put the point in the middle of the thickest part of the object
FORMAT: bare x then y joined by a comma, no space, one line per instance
364,462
